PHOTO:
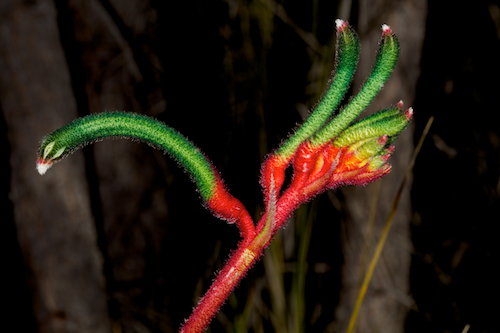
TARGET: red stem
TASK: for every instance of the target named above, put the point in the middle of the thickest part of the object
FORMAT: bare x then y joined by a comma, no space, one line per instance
248,252
227,279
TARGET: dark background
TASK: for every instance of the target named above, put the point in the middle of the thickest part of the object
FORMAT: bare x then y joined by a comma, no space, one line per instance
113,239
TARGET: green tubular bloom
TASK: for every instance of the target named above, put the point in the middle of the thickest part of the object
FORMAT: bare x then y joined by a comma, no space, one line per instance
371,148
377,116
390,125
385,62
346,62
86,130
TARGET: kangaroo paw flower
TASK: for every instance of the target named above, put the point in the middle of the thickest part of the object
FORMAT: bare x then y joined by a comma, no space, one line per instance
329,150
86,130
327,153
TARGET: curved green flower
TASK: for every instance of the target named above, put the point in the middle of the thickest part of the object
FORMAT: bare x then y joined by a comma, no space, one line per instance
89,129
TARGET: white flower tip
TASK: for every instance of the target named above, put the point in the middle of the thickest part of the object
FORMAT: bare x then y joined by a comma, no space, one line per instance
340,24
401,105
386,29
43,166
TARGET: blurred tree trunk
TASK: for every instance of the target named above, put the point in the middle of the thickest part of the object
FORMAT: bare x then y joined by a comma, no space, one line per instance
53,218
387,300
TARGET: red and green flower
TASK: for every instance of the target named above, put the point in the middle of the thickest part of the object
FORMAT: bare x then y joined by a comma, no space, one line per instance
329,150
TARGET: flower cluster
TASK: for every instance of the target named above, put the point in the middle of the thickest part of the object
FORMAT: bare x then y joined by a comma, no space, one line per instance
356,157
326,152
